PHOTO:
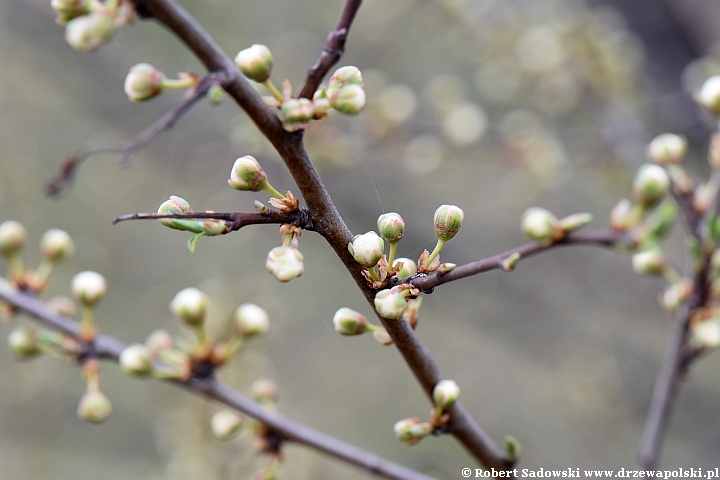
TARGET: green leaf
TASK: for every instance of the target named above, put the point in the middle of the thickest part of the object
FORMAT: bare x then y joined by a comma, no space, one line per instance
192,243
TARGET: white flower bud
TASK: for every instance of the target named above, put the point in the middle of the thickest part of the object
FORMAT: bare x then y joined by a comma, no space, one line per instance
391,227
88,288
247,174
23,343
251,320
225,423
539,224
255,62
349,100
650,185
382,336
12,237
94,406
390,303
264,389
448,219
367,249
709,95
143,82
445,393
411,430
409,267
650,262
56,245
675,295
667,149
706,334
135,360
88,32
349,322
190,306
285,263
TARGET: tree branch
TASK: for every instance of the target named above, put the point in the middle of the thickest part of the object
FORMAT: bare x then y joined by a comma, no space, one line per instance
109,348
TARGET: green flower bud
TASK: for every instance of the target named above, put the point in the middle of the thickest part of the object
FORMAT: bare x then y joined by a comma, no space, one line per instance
650,185
661,220
709,94
321,104
297,110
12,237
251,320
706,334
367,249
255,62
390,303
285,262
445,393
349,322
176,205
23,343
247,174
225,423
88,288
264,390
650,262
512,448
409,267
94,406
448,219
190,306
56,245
411,430
88,32
343,76
391,227
143,82
667,149
349,100
539,224
135,360
68,9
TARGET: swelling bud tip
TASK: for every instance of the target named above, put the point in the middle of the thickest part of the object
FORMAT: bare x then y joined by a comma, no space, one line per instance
445,393
285,262
539,224
251,320
349,322
247,175
391,227
56,245
12,237
189,306
667,149
448,219
143,82
255,62
87,32
88,288
650,185
367,249
225,423
135,360
94,407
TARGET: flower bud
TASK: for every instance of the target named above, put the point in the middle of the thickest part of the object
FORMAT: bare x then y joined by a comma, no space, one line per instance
321,104
247,175
62,306
539,224
709,94
349,100
23,343
135,360
88,32
94,406
390,303
650,185
251,320
56,245
349,322
367,249
445,393
661,220
675,295
621,217
175,205
448,219
650,262
382,336
343,76
225,423
411,430
706,334
12,237
285,263
409,267
88,288
143,82
574,222
69,9
264,389
158,341
189,306
297,110
255,62
667,149
391,227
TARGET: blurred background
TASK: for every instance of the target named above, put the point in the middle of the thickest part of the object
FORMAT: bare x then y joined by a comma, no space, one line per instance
492,105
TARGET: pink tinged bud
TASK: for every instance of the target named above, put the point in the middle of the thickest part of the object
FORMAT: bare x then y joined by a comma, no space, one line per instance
264,390
225,423
367,249
445,393
391,227
56,245
255,62
709,95
251,320
349,322
649,262
88,288
343,76
349,100
706,334
158,341
62,306
539,224
88,32
135,360
411,430
650,185
12,237
285,263
409,267
247,175
190,306
667,149
94,407
23,343
390,303
143,82
448,219
297,110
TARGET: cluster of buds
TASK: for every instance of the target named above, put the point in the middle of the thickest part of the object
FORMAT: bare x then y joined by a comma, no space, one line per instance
90,23
144,82
542,226
201,227
349,322
344,92
412,430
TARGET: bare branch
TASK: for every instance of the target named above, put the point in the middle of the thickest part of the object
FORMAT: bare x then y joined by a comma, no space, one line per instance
127,150
333,50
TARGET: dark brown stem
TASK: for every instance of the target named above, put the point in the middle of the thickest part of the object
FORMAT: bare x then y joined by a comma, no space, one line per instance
109,348
127,150
333,50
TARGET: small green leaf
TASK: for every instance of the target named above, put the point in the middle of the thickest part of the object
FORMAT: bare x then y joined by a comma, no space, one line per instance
192,243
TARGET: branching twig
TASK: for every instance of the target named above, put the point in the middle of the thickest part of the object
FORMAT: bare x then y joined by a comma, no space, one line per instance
129,149
333,50
110,348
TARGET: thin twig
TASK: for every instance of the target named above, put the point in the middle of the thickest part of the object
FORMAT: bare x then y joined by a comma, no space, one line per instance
128,149
110,348
333,50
